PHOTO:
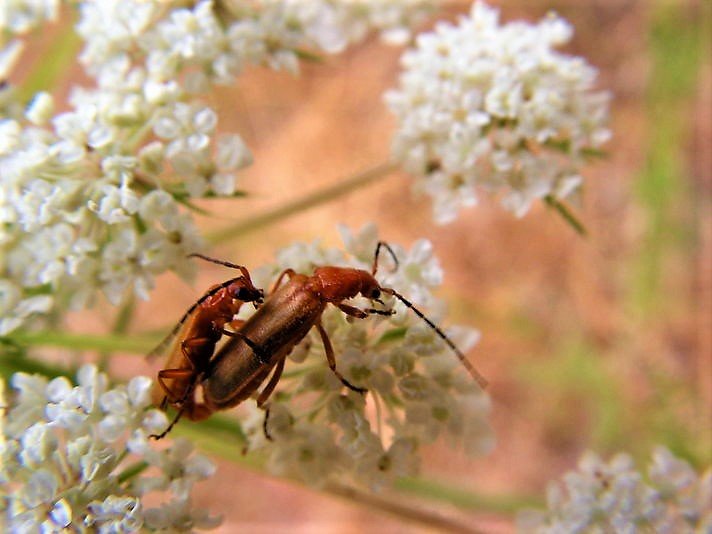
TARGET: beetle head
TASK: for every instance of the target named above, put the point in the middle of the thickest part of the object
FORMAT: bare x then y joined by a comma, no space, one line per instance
244,290
370,288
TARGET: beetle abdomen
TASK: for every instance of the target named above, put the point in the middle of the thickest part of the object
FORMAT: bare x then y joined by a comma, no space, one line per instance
278,325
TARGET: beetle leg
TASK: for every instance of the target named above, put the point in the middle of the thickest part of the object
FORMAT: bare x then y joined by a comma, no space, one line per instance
168,374
362,314
261,356
332,361
264,425
352,311
195,412
171,374
236,323
192,343
184,405
287,272
269,388
169,427
266,392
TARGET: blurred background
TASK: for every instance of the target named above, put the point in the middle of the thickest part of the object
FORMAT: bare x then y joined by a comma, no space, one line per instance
598,343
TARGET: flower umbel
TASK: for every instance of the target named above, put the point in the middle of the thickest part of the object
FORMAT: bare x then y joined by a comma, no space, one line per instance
79,457
496,107
92,199
614,497
417,389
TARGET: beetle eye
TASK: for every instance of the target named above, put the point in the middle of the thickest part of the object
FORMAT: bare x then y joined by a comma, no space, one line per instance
243,294
375,294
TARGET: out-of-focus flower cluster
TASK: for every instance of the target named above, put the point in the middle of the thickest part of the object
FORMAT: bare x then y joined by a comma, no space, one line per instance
91,198
615,497
496,107
79,458
417,389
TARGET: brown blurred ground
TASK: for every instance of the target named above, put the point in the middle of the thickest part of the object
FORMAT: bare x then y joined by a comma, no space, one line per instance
533,287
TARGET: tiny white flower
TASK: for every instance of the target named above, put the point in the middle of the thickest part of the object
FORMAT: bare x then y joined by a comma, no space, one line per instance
232,153
9,55
484,106
61,514
613,496
54,474
205,121
20,16
37,444
139,391
40,488
40,109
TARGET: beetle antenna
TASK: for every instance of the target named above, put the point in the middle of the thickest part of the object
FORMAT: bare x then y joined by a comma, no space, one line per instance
241,268
465,362
187,314
378,250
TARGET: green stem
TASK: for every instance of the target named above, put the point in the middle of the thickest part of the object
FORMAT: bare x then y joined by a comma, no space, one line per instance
121,326
46,72
219,445
20,363
409,511
222,428
310,200
434,491
131,471
106,343
565,213
224,438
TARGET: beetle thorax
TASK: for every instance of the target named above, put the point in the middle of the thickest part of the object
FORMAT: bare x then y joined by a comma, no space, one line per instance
335,284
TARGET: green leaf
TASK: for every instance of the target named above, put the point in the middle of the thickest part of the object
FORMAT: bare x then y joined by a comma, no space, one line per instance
394,334
306,55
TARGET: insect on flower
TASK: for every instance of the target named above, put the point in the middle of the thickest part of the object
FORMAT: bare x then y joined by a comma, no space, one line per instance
291,310
195,337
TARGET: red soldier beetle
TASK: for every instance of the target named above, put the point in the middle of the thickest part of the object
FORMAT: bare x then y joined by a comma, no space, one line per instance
290,311
196,335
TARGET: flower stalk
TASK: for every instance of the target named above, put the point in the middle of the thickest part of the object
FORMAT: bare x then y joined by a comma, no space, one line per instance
136,344
308,201
562,209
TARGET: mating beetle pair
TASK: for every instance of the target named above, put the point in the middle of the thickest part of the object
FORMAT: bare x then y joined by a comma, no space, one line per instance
260,345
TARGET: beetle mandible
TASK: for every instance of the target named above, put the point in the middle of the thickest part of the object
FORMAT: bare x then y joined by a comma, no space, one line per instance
290,311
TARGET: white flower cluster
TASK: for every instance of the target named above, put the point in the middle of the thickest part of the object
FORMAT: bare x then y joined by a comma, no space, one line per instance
215,41
90,198
20,16
614,497
496,107
417,389
79,458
